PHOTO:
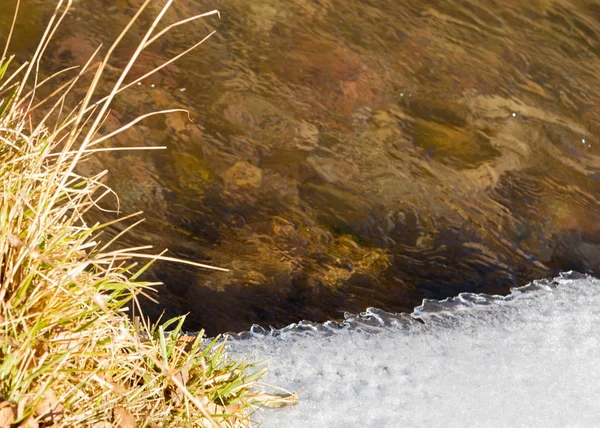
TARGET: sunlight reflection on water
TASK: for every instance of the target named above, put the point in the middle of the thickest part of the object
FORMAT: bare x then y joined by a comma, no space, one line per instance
347,154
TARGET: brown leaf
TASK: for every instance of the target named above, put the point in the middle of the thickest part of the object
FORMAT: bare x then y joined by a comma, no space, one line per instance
210,406
65,340
14,241
186,342
11,341
102,424
7,414
123,418
49,410
232,408
119,389
236,418
30,422
177,395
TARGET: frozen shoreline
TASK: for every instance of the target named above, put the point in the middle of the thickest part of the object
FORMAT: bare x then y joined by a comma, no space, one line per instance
530,359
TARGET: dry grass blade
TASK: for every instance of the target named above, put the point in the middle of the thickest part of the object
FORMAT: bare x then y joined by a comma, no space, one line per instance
274,400
10,31
171,259
69,354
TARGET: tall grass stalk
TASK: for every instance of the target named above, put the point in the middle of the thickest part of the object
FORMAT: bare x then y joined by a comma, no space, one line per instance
70,354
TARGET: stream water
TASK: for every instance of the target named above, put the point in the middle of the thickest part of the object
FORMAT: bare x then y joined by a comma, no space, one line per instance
353,153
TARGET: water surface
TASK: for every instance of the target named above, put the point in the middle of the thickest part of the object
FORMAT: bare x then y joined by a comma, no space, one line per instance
354,153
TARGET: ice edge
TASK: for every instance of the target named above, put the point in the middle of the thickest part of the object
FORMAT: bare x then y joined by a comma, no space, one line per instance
431,311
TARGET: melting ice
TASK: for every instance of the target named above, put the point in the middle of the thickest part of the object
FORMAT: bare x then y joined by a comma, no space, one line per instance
530,359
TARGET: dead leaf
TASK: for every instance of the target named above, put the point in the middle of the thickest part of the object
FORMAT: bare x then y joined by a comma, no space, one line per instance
119,389
49,410
30,422
7,414
183,376
14,241
236,418
123,418
102,424
232,408
210,406
187,342
11,341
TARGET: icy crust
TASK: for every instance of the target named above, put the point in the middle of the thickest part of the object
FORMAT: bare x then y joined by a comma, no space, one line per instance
430,312
528,359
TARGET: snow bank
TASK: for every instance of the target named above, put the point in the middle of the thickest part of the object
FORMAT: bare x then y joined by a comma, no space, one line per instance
528,359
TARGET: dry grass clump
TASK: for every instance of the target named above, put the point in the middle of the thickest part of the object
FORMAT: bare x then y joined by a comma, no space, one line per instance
69,353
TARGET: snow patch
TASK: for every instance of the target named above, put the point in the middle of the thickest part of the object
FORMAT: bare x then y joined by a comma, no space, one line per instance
531,358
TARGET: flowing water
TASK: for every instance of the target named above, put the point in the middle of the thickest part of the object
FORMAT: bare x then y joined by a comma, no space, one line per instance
354,153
